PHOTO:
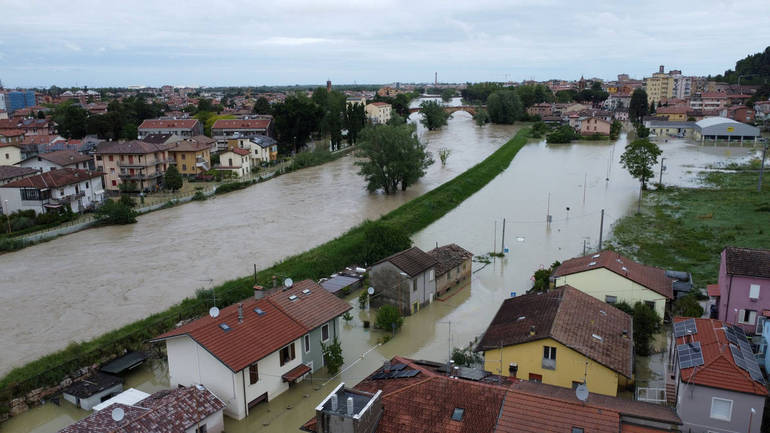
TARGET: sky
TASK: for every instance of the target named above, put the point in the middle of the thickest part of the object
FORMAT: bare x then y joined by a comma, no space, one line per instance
103,43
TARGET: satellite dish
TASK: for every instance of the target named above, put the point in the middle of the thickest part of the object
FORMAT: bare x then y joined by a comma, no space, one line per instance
118,414
370,290
288,282
582,392
214,312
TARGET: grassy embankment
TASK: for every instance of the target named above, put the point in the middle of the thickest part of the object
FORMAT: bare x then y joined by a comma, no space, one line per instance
315,263
687,228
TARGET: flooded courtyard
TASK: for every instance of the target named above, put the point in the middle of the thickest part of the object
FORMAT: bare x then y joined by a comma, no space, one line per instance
572,182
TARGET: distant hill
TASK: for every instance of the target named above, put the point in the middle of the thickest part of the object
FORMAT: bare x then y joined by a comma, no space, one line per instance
753,69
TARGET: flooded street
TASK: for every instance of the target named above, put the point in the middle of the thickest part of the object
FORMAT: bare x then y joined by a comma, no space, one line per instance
84,284
520,195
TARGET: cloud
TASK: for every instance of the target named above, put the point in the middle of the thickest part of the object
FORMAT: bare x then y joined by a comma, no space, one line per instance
291,41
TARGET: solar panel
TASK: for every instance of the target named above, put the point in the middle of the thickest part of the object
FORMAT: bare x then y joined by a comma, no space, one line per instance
398,367
742,354
408,373
684,328
737,357
730,334
690,355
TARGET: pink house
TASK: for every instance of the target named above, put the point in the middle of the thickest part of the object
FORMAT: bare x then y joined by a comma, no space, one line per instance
744,288
594,125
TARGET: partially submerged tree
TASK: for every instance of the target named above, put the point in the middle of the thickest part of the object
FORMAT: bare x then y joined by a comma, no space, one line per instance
443,154
173,180
637,108
433,115
504,107
333,359
393,157
481,117
639,158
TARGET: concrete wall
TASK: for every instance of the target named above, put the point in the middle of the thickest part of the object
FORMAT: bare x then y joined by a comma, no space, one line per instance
600,283
390,287
454,277
694,408
570,366
10,155
214,423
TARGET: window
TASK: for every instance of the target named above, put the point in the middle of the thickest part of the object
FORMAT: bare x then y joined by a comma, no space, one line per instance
430,275
184,167
747,317
114,183
201,429
253,373
287,354
549,357
86,185
650,304
721,409
754,291
611,299
7,156
577,430
457,414
183,156
307,343
537,378
112,171
414,285
325,332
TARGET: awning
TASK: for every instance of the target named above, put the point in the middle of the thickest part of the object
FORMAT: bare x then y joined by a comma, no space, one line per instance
295,373
713,290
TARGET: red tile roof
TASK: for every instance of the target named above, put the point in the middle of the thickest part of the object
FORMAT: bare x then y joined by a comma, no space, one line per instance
570,317
748,262
713,290
311,309
169,411
241,124
412,261
719,369
11,171
192,144
133,147
258,335
64,157
650,277
54,179
448,257
168,124
11,132
239,151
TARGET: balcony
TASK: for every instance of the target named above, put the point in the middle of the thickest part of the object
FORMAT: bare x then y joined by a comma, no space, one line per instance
140,176
144,163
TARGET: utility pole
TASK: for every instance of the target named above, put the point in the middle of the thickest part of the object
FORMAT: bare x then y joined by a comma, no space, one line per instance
601,230
502,241
662,167
639,206
762,168
584,247
585,179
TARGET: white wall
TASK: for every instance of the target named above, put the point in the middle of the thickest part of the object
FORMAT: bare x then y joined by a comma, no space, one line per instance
214,423
270,372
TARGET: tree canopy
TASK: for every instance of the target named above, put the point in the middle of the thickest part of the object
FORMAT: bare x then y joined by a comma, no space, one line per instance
752,69
172,179
393,157
433,114
504,106
479,92
637,108
262,106
639,158
296,118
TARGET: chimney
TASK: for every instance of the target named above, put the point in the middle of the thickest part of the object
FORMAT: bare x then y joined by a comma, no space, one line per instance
456,371
350,406
258,291
451,367
661,69
386,366
335,403
240,313
275,281
513,369
532,330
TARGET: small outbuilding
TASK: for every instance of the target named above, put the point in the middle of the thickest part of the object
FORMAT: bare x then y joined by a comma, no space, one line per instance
724,129
93,390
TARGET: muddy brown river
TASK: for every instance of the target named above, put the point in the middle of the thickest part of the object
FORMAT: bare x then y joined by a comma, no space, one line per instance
161,259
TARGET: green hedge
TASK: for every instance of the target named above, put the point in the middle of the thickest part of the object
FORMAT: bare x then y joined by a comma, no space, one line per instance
315,263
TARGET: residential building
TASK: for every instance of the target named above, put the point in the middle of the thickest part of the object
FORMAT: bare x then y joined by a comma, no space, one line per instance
674,113
138,164
181,127
254,350
10,153
714,378
251,126
52,190
724,129
594,125
764,344
406,280
192,409
741,113
58,160
356,100
33,126
744,287
542,109
11,136
318,311
93,390
264,148
453,267
17,99
709,101
165,139
10,173
659,87
418,396
664,128
379,112
612,278
192,156
563,337
236,161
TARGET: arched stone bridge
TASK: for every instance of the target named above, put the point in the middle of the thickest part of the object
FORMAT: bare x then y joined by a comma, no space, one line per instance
470,109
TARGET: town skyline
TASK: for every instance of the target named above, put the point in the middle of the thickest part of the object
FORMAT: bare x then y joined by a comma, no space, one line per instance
305,42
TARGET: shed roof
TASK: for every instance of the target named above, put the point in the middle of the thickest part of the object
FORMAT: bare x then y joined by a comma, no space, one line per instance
413,261
448,257
92,385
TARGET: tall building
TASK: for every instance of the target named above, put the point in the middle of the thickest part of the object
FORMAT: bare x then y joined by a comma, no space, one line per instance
16,100
659,87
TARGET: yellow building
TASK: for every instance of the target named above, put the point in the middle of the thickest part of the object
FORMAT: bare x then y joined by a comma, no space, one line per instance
659,87
611,278
192,156
562,337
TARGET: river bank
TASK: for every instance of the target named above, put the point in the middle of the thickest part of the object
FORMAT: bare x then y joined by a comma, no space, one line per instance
686,228
315,263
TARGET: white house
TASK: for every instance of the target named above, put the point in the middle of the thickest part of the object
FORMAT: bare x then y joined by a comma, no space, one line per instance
235,160
379,112
52,190
247,354
56,160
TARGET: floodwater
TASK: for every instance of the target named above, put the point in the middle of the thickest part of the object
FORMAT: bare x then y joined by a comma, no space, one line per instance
81,285
521,196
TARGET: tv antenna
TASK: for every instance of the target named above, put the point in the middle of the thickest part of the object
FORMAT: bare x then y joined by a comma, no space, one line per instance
214,312
288,283
117,414
582,392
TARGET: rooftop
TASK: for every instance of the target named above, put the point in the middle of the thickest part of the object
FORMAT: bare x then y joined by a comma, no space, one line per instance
133,147
11,171
412,261
448,257
241,124
168,124
570,317
309,303
64,157
92,385
648,276
748,262
54,179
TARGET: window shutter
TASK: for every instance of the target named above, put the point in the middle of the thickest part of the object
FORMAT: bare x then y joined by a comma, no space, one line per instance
754,291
